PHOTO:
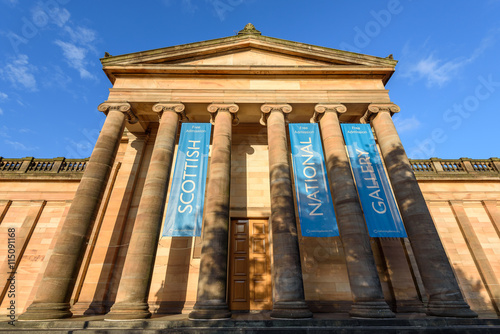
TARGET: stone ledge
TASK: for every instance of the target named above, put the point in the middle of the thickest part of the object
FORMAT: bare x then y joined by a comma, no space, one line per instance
41,177
256,322
422,176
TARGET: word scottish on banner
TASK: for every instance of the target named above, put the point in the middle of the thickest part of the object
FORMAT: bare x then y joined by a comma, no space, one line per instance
381,213
187,193
316,213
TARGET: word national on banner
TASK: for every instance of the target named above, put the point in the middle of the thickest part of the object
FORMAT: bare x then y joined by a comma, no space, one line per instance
314,200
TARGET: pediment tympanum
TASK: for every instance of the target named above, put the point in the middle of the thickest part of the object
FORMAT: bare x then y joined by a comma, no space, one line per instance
238,53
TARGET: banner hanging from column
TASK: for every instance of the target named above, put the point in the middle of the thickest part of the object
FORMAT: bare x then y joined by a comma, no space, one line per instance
314,200
381,213
187,192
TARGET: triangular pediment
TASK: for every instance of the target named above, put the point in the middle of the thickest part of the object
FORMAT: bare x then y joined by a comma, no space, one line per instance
250,57
239,50
245,52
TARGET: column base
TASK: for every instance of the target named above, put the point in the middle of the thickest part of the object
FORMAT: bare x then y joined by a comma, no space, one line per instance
376,309
458,309
46,311
291,310
210,311
128,311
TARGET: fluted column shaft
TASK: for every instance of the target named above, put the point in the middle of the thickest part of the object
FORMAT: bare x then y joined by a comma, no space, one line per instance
445,297
54,292
132,296
211,302
289,299
363,275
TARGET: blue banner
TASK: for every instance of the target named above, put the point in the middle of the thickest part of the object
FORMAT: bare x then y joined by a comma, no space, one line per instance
314,200
381,213
187,192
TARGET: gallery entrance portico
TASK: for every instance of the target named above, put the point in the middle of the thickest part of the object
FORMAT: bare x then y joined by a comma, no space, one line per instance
252,254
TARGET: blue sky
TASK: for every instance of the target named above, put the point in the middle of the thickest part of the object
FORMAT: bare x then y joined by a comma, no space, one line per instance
447,81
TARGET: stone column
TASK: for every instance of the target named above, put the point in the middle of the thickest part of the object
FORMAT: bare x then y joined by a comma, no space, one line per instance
211,300
289,301
365,284
54,292
132,296
445,297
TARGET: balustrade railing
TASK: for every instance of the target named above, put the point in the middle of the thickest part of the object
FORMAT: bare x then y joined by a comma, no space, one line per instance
72,165
422,166
483,166
10,165
30,165
455,166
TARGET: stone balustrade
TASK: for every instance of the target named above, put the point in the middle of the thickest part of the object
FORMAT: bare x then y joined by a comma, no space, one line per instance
463,167
33,166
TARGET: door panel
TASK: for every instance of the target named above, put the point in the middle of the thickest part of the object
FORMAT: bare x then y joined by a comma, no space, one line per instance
250,266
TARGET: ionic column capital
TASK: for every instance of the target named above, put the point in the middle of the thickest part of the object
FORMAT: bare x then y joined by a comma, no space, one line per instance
321,108
268,107
121,106
375,108
232,108
176,107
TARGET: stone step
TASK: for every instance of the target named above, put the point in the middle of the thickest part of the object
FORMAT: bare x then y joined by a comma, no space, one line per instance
158,325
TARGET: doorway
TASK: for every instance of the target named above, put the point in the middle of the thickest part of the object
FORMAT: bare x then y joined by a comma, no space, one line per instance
250,265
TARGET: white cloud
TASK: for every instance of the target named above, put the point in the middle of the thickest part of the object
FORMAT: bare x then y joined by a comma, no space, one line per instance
20,73
57,15
3,96
19,146
437,72
75,57
1,111
76,49
406,124
81,35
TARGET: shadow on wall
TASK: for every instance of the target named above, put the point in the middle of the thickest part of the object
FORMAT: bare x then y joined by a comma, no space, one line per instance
171,296
476,295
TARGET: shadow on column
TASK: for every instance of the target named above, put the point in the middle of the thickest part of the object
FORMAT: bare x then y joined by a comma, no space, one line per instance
366,289
211,301
111,271
445,296
172,294
121,246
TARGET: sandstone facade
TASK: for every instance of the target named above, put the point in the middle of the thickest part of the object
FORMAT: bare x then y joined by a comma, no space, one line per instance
87,232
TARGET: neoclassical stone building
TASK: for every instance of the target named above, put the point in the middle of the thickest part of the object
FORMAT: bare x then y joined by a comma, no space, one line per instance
88,232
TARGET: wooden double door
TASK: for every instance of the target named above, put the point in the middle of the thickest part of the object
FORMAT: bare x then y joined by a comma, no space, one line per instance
250,285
